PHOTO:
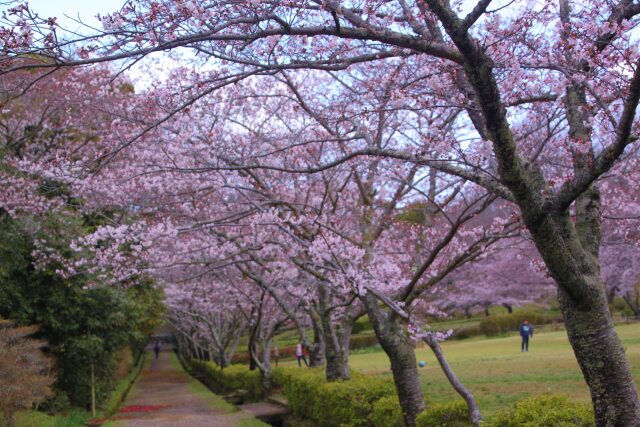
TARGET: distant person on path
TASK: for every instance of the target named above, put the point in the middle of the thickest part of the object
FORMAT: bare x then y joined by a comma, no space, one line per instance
156,349
300,355
526,331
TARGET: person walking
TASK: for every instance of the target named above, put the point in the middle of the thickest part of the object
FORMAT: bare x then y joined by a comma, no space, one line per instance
300,354
526,331
156,349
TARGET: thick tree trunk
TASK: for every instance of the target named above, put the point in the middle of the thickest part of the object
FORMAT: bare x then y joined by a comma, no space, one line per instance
570,253
395,343
335,336
509,308
317,349
337,352
603,362
10,420
227,354
267,381
265,367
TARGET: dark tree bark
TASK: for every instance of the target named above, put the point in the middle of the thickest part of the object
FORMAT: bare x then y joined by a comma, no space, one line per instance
337,352
317,347
336,339
570,251
251,349
633,303
467,312
391,335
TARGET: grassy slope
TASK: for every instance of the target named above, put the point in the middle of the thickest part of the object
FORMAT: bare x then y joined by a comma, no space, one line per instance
498,373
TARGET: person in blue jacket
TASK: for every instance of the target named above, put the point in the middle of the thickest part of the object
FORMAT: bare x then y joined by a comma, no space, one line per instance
526,331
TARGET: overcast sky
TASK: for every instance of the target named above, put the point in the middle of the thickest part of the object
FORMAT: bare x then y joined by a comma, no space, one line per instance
86,9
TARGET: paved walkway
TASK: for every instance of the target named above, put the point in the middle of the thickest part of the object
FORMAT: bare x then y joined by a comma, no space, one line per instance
166,396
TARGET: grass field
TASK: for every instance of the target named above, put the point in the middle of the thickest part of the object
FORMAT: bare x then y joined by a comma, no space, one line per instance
497,372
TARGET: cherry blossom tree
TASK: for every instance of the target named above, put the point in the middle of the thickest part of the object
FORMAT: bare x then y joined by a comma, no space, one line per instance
544,96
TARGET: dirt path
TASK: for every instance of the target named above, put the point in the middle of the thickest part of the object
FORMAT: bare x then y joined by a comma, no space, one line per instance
165,395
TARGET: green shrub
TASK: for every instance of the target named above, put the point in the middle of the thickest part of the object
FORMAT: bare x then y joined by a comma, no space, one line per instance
544,411
466,332
445,415
331,404
387,413
362,341
301,387
364,324
503,323
234,377
367,350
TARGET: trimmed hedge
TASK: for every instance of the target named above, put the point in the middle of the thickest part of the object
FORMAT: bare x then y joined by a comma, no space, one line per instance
371,401
466,332
503,323
445,415
361,325
537,411
333,404
544,411
242,357
356,342
231,378
387,412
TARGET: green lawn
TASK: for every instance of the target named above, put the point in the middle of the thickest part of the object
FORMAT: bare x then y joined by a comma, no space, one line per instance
498,373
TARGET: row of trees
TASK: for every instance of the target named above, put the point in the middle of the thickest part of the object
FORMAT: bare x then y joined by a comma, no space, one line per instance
89,330
318,160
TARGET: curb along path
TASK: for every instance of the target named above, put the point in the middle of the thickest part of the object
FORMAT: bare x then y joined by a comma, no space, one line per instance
166,396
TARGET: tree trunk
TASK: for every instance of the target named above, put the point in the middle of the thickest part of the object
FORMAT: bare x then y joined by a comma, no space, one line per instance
603,362
336,354
337,351
93,390
633,305
570,252
267,382
265,368
509,308
317,349
227,355
474,409
10,420
390,333
251,349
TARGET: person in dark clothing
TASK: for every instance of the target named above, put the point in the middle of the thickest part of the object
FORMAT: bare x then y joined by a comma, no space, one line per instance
526,331
156,349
